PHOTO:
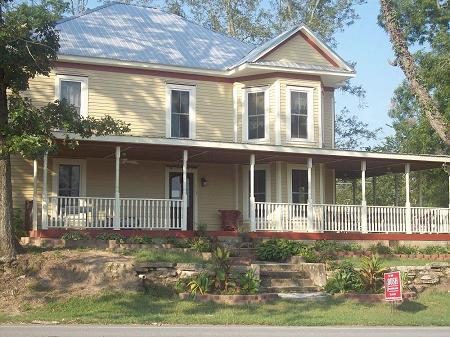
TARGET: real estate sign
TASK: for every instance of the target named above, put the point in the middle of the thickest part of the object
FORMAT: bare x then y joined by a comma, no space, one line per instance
392,286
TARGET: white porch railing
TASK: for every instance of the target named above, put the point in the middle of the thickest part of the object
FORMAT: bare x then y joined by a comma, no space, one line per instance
349,218
91,212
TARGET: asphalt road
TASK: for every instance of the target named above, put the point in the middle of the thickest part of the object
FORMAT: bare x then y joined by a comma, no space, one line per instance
215,331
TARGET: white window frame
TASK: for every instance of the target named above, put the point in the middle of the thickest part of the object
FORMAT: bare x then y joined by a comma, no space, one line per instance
303,167
192,114
310,113
84,96
245,189
247,91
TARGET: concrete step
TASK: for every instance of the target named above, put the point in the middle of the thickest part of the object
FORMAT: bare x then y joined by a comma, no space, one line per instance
284,274
276,282
297,289
279,267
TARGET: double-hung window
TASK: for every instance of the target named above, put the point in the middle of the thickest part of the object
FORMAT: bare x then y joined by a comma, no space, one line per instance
180,111
299,105
256,119
74,91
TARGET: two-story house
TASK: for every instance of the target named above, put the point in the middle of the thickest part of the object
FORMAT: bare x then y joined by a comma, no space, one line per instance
216,124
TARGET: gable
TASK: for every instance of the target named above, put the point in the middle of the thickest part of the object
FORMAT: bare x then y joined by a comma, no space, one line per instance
298,50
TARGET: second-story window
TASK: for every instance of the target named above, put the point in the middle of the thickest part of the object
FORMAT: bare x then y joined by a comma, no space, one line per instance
257,114
299,107
73,90
181,112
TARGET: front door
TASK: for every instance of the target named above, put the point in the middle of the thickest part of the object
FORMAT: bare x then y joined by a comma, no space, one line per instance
68,186
176,192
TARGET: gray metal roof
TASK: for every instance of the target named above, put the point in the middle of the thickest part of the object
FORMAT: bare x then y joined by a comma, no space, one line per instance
140,34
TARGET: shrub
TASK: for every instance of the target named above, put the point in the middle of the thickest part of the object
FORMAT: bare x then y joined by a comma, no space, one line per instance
404,249
346,279
221,268
309,255
139,239
200,284
371,274
350,247
74,236
200,244
249,283
177,242
381,249
18,223
279,250
434,250
106,236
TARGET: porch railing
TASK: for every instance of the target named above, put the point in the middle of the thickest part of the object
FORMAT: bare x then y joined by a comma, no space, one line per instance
92,212
350,218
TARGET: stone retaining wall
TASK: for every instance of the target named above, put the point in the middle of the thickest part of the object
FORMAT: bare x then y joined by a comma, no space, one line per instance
422,277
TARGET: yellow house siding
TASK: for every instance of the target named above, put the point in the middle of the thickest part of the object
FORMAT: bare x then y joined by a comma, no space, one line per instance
297,50
328,119
22,181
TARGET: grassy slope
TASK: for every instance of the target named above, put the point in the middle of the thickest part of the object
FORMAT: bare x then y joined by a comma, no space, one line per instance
394,261
147,255
432,308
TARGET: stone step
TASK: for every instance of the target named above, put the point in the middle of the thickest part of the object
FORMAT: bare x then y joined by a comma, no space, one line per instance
306,289
276,282
284,274
279,267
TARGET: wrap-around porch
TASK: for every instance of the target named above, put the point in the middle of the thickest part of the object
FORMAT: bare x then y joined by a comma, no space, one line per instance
303,200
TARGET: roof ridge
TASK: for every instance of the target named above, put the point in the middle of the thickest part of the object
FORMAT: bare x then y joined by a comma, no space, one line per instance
89,11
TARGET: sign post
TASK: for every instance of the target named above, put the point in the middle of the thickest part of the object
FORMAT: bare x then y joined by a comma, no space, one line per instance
392,287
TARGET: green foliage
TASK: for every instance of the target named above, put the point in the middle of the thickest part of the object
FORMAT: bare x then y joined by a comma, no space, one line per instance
404,249
278,250
106,236
434,250
200,284
381,249
74,236
249,283
346,279
18,223
221,268
200,244
371,274
350,247
139,239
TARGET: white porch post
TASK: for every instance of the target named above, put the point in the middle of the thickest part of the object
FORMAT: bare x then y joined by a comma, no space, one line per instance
310,226
364,227
184,211
44,193
35,182
407,203
116,223
252,194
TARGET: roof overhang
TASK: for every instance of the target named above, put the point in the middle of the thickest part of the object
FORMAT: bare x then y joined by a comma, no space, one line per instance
345,163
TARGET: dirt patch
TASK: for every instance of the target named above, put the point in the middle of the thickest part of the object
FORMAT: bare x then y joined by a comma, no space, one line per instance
39,278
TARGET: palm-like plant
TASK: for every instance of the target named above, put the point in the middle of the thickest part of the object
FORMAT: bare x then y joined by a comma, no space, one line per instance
200,285
371,272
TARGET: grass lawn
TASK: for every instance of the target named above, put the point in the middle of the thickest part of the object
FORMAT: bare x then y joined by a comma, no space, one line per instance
432,308
166,255
394,261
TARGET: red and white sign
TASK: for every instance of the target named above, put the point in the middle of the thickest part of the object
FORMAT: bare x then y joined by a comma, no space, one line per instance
392,286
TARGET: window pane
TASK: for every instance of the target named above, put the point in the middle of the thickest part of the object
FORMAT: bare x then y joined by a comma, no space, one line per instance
294,126
300,186
180,113
256,111
252,127
184,102
260,181
69,180
260,103
175,101
184,126
252,104
261,129
299,103
71,93
175,125
302,126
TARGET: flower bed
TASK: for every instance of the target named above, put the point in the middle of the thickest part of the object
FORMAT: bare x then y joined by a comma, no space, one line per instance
231,299
372,298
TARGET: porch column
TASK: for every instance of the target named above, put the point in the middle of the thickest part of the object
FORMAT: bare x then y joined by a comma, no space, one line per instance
407,203
35,182
310,225
252,194
185,200
116,223
364,227
44,193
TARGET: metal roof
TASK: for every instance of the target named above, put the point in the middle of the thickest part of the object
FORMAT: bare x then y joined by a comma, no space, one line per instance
141,34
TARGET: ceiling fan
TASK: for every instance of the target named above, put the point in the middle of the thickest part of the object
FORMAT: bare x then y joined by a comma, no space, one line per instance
124,159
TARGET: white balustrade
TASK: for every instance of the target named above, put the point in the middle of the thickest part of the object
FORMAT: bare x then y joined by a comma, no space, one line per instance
337,218
386,219
273,216
430,220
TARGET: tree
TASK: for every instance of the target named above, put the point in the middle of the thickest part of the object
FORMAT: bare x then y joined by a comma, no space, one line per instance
28,47
429,22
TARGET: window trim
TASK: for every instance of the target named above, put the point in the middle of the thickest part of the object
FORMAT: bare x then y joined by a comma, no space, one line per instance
247,91
192,109
304,167
310,113
245,187
84,95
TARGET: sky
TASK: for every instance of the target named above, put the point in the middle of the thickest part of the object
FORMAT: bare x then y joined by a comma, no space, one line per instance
368,45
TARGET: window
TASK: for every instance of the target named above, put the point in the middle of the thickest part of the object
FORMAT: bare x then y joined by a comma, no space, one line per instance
299,112
73,90
299,186
256,116
260,185
69,181
262,192
180,115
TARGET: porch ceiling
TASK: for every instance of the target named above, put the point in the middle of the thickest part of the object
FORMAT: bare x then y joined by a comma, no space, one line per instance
347,164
